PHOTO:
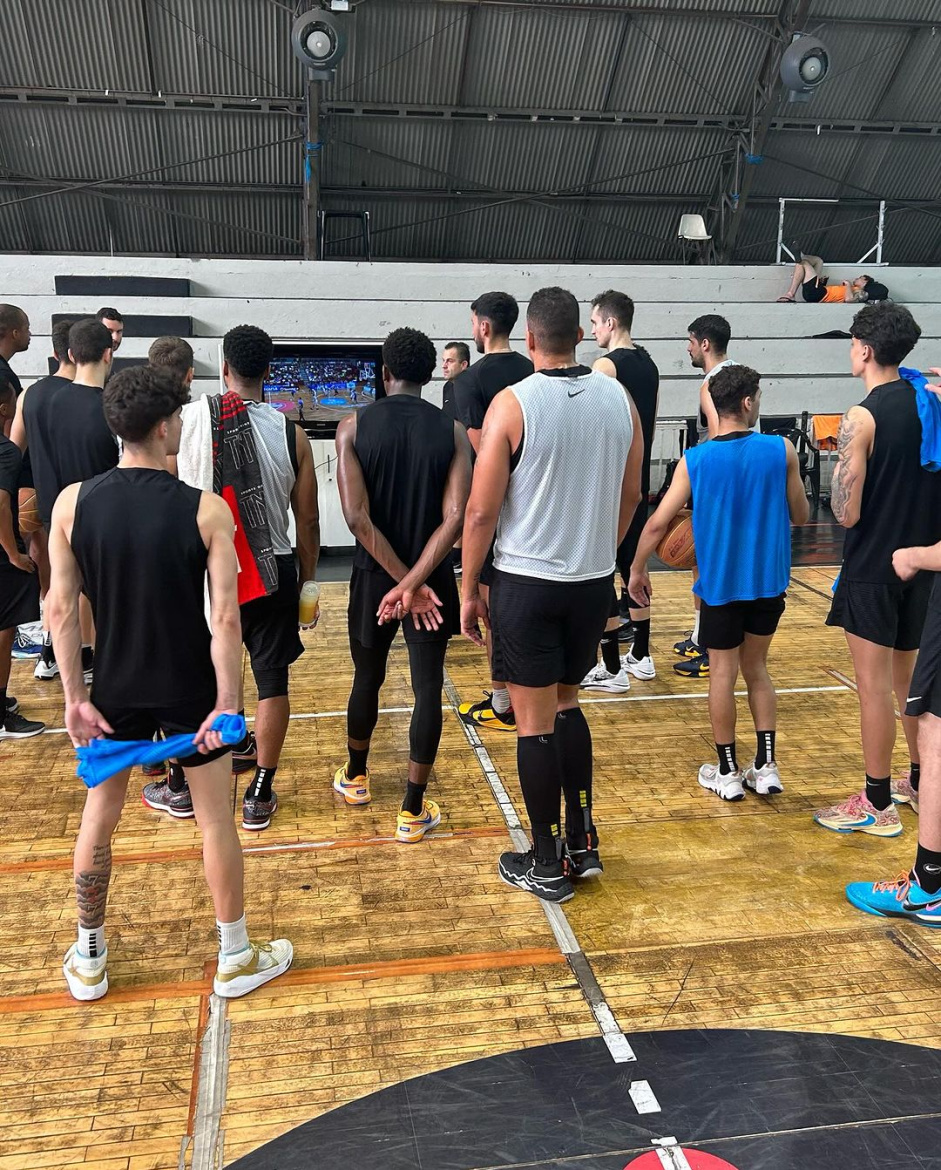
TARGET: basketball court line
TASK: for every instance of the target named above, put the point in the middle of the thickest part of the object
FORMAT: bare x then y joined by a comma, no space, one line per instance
614,1038
663,698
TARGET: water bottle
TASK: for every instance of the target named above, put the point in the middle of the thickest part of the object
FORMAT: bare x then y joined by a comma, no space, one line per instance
309,610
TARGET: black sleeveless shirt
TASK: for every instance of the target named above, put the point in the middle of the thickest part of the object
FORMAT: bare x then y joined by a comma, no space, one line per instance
405,447
38,407
638,374
143,563
901,504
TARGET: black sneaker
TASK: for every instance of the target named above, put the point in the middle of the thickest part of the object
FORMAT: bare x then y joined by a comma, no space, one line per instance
16,727
584,859
160,796
245,760
693,667
257,814
13,705
548,880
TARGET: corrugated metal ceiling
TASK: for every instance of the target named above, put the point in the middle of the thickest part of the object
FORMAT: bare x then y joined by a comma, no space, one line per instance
229,181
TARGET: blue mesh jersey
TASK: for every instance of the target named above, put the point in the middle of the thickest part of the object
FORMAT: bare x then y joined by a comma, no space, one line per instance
741,521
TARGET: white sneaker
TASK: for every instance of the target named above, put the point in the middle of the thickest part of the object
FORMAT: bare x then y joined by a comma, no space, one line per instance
87,978
46,670
261,963
642,668
601,679
729,786
766,780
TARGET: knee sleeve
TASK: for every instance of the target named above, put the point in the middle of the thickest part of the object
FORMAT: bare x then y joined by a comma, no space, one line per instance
426,660
272,683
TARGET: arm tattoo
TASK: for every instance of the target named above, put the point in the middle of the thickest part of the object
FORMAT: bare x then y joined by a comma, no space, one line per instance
91,889
844,476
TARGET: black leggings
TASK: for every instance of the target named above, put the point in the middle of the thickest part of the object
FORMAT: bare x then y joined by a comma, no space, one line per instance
426,664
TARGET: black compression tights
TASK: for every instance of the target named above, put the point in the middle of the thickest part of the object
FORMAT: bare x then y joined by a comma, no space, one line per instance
426,664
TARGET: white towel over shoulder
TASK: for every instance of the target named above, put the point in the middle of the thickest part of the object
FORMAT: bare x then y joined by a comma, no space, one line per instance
194,461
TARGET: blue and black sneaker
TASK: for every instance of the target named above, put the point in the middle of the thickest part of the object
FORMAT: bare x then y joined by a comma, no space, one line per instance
901,897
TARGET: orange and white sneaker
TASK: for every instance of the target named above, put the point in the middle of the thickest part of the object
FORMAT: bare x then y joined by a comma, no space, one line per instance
410,828
353,791
859,815
903,793
87,978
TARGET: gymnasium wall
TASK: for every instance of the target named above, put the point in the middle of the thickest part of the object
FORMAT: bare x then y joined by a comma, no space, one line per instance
333,301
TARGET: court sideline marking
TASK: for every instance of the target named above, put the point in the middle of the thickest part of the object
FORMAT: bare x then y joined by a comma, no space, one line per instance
614,1038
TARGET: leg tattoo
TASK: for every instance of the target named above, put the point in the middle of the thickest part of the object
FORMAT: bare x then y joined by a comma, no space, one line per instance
91,889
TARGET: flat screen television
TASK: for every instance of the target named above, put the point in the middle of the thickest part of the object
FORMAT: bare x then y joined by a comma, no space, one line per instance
319,385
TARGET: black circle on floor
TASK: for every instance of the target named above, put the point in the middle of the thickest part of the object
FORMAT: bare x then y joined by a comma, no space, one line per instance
760,1100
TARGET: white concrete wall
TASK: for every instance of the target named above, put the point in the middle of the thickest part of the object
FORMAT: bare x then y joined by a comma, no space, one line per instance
335,301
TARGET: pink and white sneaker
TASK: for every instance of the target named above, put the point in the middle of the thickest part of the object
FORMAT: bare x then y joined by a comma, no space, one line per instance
858,815
903,793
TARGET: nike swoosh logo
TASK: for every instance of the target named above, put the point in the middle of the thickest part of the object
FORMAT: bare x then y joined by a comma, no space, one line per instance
575,393
917,907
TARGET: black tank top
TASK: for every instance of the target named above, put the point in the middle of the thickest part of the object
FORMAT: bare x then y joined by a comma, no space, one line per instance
901,503
80,442
638,374
405,447
37,409
143,562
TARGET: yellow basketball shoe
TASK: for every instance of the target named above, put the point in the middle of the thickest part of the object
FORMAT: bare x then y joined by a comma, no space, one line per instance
410,828
355,791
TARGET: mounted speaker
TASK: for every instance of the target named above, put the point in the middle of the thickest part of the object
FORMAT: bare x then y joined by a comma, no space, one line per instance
319,41
804,67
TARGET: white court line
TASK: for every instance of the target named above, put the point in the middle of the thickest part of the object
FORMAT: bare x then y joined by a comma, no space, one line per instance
644,1098
211,1093
670,1154
584,702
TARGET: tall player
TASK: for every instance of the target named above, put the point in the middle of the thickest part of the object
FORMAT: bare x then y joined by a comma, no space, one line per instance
612,316
140,544
493,317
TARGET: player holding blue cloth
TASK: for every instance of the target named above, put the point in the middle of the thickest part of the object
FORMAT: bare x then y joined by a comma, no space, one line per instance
139,543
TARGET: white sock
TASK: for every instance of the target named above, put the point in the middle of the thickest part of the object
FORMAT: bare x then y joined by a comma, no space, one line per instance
233,936
91,943
695,634
500,701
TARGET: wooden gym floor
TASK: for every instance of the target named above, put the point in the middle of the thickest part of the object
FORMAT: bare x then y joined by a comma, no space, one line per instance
414,959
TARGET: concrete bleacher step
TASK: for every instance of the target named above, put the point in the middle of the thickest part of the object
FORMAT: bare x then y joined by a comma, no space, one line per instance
92,285
135,324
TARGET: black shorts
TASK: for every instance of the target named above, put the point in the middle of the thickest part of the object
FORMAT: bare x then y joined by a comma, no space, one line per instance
627,549
888,614
269,624
145,722
723,627
813,291
487,570
367,589
19,597
546,632
924,695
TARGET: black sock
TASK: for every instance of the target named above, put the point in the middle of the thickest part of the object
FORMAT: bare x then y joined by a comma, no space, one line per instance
88,658
879,792
414,800
610,655
765,751
915,775
260,787
728,762
573,749
927,869
547,842
176,777
541,784
48,654
357,763
641,647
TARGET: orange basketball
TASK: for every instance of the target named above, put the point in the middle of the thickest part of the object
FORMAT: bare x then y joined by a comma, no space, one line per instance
677,550
29,512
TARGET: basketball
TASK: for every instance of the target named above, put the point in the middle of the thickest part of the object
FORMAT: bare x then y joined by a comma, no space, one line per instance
677,550
29,512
